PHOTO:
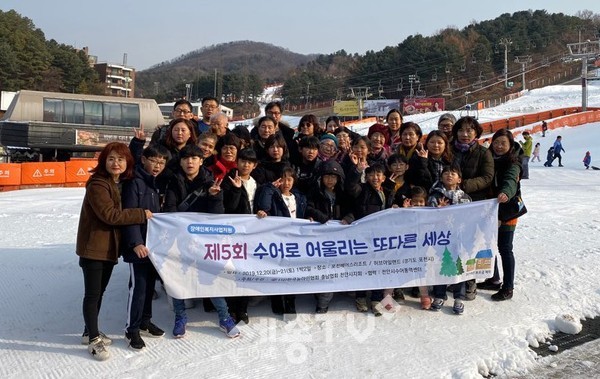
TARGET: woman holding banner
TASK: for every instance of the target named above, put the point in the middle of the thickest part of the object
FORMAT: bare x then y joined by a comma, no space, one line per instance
476,164
98,236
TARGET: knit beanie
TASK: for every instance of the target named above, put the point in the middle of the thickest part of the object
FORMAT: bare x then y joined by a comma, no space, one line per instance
331,137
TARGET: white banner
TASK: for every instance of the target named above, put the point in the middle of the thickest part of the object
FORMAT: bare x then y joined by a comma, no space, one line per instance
380,107
203,255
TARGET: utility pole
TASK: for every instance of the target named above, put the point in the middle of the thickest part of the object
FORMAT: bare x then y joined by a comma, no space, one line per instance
307,94
215,87
584,50
188,91
126,78
506,42
523,60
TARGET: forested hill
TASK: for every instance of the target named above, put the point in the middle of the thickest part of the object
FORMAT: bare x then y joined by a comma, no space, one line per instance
263,61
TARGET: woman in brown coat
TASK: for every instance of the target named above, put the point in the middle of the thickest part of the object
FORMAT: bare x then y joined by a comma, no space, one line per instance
98,235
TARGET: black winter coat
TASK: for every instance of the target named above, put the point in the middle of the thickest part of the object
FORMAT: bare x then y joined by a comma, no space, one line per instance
141,192
136,146
367,200
236,200
307,175
321,209
418,172
180,187
268,171
477,166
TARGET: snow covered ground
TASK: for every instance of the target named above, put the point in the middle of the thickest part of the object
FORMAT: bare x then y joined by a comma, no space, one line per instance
556,250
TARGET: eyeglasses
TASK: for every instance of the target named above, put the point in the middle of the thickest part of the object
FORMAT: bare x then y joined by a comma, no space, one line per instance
155,162
305,124
210,106
182,111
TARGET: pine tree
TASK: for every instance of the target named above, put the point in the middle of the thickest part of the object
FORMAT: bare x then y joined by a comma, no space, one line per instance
459,266
448,265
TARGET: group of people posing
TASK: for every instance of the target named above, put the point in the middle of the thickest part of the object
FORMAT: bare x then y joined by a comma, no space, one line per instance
315,171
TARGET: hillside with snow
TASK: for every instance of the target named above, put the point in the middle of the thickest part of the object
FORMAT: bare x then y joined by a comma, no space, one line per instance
556,250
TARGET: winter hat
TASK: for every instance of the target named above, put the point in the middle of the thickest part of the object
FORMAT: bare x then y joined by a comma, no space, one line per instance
447,116
332,167
380,128
331,137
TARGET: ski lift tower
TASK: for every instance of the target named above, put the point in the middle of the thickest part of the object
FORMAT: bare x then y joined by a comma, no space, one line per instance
523,60
584,51
412,79
506,43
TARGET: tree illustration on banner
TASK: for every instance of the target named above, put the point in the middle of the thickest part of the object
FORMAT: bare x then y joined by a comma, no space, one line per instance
448,265
459,267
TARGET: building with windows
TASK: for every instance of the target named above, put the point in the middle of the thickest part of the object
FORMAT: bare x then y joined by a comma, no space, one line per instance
119,79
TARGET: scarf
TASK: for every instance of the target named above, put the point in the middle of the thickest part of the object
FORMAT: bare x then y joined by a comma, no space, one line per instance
222,167
464,147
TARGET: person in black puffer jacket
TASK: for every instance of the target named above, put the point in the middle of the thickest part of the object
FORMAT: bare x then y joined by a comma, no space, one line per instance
328,201
141,192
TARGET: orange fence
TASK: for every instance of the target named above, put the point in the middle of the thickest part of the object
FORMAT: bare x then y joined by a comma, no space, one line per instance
576,117
10,175
45,174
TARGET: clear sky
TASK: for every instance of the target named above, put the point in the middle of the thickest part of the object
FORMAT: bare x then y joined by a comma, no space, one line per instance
153,31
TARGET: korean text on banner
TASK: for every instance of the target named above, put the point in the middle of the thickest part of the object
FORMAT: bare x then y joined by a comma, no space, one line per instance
201,255
10,174
43,173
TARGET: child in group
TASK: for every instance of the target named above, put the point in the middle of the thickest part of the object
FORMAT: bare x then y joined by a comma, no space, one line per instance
309,163
369,197
141,192
328,201
536,152
193,190
418,198
549,157
587,160
397,166
280,198
447,192
239,189
357,158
